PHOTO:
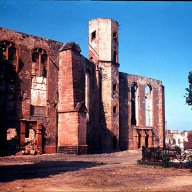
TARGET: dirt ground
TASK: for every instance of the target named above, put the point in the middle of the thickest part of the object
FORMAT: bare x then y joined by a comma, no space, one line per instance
99,172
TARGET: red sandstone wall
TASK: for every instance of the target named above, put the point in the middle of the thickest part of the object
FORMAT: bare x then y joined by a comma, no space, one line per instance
76,125
126,129
25,44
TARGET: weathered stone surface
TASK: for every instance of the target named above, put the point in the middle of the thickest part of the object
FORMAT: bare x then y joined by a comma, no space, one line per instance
157,113
72,104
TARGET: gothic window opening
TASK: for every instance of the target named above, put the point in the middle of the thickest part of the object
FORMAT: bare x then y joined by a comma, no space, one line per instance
8,74
39,62
134,104
148,105
12,56
39,82
87,91
9,51
35,63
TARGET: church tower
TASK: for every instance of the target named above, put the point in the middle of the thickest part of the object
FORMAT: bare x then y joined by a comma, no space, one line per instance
103,51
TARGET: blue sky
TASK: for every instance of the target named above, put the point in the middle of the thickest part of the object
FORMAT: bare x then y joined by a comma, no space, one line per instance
155,39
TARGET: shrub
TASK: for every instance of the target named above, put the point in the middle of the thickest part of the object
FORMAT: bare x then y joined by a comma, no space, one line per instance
165,160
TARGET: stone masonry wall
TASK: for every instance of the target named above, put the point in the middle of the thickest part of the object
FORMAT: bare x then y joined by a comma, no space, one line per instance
125,109
103,51
73,118
25,44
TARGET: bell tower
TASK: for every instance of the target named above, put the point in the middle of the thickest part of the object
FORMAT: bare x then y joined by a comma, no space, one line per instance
103,51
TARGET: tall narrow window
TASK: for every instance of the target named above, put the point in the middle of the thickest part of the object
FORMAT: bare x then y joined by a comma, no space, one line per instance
10,53
39,62
134,104
114,88
39,82
148,105
93,35
114,110
8,68
35,63
87,91
115,36
115,56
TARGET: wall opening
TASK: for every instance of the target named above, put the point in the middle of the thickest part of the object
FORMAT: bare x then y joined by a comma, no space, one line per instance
10,53
115,36
134,104
146,140
114,110
91,58
148,105
114,88
93,35
139,140
39,62
8,82
115,56
87,93
39,82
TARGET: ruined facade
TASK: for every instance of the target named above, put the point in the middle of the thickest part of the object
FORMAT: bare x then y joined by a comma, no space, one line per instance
67,103
181,139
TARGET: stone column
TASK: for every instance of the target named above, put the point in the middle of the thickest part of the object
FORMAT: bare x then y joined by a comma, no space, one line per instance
150,138
22,134
39,137
161,117
143,135
135,139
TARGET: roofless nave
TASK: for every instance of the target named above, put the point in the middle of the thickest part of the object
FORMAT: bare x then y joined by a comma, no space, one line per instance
53,95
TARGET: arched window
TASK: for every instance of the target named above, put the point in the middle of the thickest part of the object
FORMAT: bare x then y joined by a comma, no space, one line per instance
148,106
134,104
10,53
39,82
39,62
8,80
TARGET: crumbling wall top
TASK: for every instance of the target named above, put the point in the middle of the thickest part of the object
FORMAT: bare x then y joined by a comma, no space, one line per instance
70,45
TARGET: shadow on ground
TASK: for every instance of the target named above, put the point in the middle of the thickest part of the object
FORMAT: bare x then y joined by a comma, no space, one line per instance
42,169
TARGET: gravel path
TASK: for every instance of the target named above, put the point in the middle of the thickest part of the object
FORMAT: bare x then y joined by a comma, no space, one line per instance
99,172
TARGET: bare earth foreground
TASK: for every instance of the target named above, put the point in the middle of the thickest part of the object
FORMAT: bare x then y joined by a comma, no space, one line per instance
101,172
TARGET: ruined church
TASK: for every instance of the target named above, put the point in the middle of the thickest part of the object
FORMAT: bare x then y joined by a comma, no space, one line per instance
68,103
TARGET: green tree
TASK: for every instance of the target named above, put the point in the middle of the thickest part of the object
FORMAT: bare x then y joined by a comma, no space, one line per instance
188,95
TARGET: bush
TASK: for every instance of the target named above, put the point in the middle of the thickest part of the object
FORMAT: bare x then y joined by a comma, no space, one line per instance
165,160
